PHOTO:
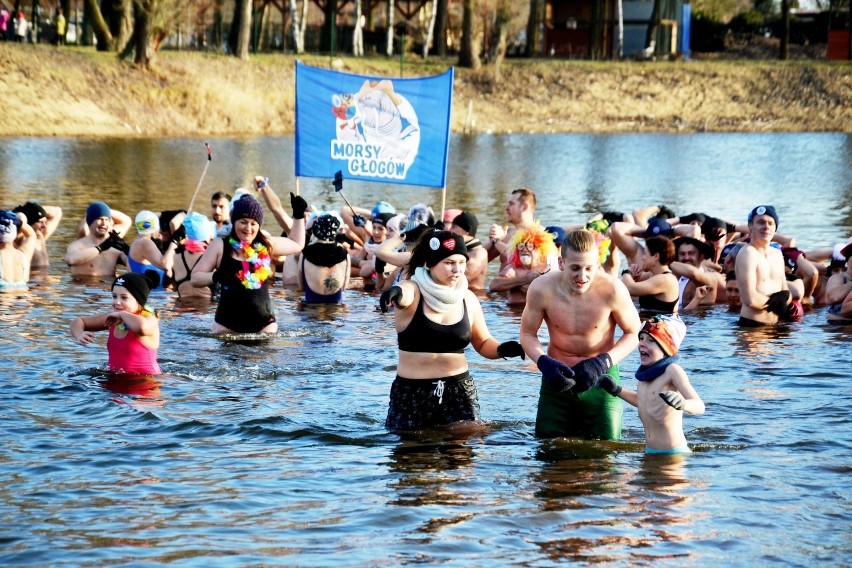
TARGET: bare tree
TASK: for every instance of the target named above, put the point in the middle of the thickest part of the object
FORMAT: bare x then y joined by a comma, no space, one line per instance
299,19
358,34
391,9
469,53
244,34
430,28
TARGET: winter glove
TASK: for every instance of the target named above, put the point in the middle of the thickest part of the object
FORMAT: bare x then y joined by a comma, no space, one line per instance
388,297
777,303
116,242
588,370
556,375
692,217
666,213
358,220
299,205
607,383
510,349
673,399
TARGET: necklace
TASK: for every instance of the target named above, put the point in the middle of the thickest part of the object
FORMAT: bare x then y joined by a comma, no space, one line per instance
256,267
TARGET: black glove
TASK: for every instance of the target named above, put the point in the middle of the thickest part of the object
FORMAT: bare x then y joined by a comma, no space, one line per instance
613,216
666,213
588,370
673,399
607,383
777,303
510,349
687,219
114,241
178,235
358,220
556,375
390,296
299,205
380,266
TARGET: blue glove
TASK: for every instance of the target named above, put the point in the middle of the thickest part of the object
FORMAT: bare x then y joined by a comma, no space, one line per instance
588,370
607,383
556,375
510,349
673,399
393,295
359,220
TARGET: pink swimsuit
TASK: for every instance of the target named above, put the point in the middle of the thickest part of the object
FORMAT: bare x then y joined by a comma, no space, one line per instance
129,355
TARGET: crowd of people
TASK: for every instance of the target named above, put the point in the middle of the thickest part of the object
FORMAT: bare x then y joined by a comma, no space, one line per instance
431,271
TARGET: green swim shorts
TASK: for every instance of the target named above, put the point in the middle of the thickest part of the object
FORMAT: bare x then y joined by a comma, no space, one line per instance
593,414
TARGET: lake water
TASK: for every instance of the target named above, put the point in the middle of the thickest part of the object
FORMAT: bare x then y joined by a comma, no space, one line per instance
276,453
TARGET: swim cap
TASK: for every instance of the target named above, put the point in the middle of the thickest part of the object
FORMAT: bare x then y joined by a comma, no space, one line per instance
197,226
451,214
97,210
246,207
325,228
147,223
467,222
33,212
441,245
666,331
138,285
382,207
763,210
558,233
8,226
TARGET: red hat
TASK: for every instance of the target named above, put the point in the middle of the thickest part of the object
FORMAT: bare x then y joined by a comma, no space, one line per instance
667,331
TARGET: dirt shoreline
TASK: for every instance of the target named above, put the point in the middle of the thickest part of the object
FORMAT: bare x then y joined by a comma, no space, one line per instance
48,91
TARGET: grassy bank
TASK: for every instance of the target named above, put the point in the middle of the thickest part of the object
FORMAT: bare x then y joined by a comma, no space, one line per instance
77,91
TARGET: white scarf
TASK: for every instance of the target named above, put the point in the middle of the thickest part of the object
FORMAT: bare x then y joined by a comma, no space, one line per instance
439,298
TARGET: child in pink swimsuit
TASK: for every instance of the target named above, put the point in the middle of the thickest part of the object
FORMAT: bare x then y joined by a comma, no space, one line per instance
134,331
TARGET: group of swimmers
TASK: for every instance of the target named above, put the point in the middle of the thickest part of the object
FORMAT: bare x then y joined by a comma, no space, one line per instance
429,271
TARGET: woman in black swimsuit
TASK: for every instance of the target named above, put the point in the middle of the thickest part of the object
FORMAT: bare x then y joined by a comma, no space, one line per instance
436,318
653,283
242,264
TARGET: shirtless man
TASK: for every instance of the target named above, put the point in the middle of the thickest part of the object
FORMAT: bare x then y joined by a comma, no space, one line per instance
100,251
220,209
520,210
44,221
760,272
465,225
581,307
693,272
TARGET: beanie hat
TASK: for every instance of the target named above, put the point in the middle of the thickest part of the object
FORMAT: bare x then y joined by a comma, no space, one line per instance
382,219
667,331
658,228
467,221
97,210
246,207
138,285
558,234
325,228
8,226
198,227
763,210
147,223
33,211
418,215
441,245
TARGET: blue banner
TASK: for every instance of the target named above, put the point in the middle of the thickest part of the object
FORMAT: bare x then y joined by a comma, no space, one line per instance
371,128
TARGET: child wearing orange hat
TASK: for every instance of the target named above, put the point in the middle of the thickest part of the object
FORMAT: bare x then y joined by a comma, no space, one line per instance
664,392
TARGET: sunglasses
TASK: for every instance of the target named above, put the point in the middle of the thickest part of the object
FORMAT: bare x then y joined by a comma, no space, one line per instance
528,247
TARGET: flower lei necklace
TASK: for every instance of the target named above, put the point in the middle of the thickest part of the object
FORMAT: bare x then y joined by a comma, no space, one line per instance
145,310
257,265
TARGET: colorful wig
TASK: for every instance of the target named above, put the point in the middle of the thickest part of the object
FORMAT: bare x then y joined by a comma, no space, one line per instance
599,229
542,242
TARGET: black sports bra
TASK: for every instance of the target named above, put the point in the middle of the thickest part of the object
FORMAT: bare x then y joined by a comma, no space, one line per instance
426,336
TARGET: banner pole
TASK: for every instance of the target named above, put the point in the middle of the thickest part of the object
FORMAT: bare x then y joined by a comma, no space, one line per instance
443,201
297,185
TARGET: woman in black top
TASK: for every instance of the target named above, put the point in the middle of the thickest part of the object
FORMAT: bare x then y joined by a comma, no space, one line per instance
436,318
653,282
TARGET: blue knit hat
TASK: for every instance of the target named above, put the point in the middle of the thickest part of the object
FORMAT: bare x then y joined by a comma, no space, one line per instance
97,210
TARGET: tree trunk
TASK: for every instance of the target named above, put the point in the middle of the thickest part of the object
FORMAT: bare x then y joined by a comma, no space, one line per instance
653,24
430,30
358,34
142,33
391,7
328,39
441,29
296,26
534,29
126,25
244,34
216,40
99,26
785,30
468,54
500,35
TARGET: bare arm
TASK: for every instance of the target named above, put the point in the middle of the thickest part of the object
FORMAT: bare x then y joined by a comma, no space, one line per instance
387,253
121,223
692,402
481,338
80,252
509,279
682,269
624,236
747,280
627,318
532,319
82,328
202,273
54,215
274,203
